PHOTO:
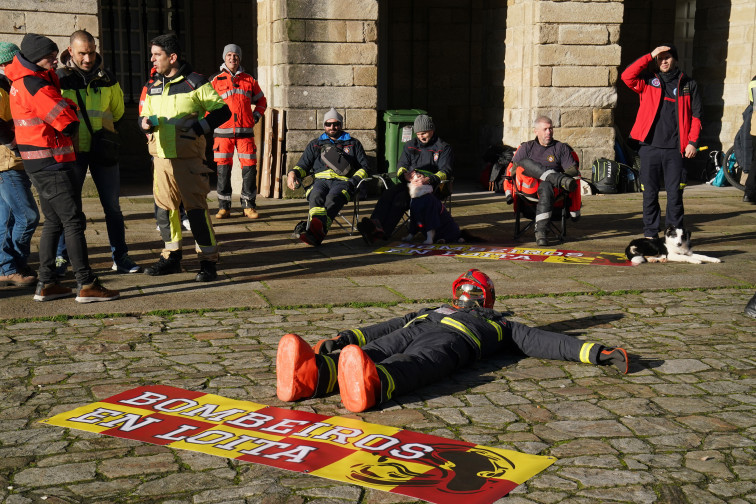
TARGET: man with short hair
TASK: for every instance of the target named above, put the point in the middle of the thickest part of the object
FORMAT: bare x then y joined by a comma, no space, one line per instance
179,109
45,123
85,81
338,162
19,215
543,167
426,154
243,95
667,126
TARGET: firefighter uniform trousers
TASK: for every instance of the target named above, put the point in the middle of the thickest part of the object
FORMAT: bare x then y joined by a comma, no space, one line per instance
548,188
187,180
326,198
223,155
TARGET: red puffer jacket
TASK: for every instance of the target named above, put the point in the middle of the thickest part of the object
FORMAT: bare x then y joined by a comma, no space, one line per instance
44,120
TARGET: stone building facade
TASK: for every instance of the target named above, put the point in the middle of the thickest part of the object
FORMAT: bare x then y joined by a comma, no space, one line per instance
483,68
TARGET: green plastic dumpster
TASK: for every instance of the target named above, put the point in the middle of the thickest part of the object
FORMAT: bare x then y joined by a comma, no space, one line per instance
398,132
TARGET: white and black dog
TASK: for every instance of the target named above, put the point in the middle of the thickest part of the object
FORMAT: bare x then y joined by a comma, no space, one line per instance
673,247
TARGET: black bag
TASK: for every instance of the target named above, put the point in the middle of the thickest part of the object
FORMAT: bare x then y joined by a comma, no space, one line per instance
336,159
629,179
499,169
605,175
103,149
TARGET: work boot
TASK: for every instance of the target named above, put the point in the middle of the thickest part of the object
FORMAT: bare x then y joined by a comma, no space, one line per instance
166,266
569,184
18,280
314,233
541,239
326,346
371,230
48,292
296,369
223,213
95,292
750,308
359,382
251,213
616,357
207,272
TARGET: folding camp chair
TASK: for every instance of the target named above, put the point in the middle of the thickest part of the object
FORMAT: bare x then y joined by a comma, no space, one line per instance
525,206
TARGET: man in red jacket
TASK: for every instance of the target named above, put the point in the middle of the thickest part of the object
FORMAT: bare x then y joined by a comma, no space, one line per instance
45,123
243,95
667,126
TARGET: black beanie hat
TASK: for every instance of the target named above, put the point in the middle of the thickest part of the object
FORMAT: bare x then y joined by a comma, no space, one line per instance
35,47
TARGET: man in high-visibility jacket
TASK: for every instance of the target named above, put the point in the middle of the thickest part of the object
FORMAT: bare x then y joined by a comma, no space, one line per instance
180,107
543,167
45,123
374,364
338,162
84,79
243,95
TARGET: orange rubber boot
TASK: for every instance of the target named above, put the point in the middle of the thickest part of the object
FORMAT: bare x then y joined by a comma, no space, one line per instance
296,370
359,383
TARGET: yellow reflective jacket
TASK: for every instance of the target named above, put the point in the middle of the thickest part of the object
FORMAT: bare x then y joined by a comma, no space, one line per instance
182,109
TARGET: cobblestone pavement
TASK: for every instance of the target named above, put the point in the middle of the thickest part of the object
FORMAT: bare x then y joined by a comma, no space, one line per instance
680,428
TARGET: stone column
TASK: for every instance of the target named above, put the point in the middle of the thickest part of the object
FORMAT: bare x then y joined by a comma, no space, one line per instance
561,61
315,55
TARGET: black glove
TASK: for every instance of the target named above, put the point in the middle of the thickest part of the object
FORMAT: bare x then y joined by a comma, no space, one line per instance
332,345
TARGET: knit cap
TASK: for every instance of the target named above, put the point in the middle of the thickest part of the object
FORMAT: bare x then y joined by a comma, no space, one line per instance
35,47
423,123
232,48
7,51
332,115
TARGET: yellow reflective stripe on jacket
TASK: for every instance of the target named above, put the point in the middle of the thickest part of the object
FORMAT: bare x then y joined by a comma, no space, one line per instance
332,373
330,174
420,317
585,353
391,385
462,328
499,331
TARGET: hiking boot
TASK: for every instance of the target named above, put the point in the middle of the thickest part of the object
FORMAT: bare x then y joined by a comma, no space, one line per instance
359,383
223,214
165,266
296,369
750,308
48,292
125,264
251,213
61,265
18,280
541,240
616,357
207,272
95,292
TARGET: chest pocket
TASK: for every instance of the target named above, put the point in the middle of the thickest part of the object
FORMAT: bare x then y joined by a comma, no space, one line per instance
336,159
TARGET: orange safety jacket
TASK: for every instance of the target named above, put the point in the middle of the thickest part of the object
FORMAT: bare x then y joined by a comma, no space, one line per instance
243,95
44,120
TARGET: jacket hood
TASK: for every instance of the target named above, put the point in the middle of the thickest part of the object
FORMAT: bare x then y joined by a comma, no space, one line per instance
69,67
20,67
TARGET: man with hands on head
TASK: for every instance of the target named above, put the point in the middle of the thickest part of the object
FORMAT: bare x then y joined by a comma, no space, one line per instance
667,126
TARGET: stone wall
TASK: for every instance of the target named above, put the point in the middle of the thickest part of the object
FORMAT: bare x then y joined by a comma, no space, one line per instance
561,61
57,20
316,54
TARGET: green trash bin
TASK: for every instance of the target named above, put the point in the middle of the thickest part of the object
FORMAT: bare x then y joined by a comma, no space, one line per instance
398,132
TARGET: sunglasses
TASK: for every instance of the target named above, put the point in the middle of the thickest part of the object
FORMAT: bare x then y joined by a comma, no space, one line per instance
332,124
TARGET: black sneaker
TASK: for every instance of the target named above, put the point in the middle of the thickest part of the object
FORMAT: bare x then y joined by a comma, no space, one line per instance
207,272
616,357
165,266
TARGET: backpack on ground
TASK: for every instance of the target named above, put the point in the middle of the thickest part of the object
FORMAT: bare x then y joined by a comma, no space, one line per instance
629,179
605,175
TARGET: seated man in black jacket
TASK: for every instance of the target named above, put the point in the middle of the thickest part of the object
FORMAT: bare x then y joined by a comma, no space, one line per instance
427,154
373,364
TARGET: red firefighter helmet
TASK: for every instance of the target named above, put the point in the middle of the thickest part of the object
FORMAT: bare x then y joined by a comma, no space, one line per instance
473,288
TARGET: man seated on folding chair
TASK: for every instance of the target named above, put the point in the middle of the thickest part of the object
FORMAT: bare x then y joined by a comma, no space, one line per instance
338,163
543,168
431,157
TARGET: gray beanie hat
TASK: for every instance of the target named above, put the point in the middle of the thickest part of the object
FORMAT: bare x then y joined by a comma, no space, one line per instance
331,115
232,48
423,123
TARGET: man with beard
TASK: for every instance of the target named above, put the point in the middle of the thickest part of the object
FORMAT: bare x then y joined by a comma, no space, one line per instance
427,154
667,126
180,108
338,163
84,80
